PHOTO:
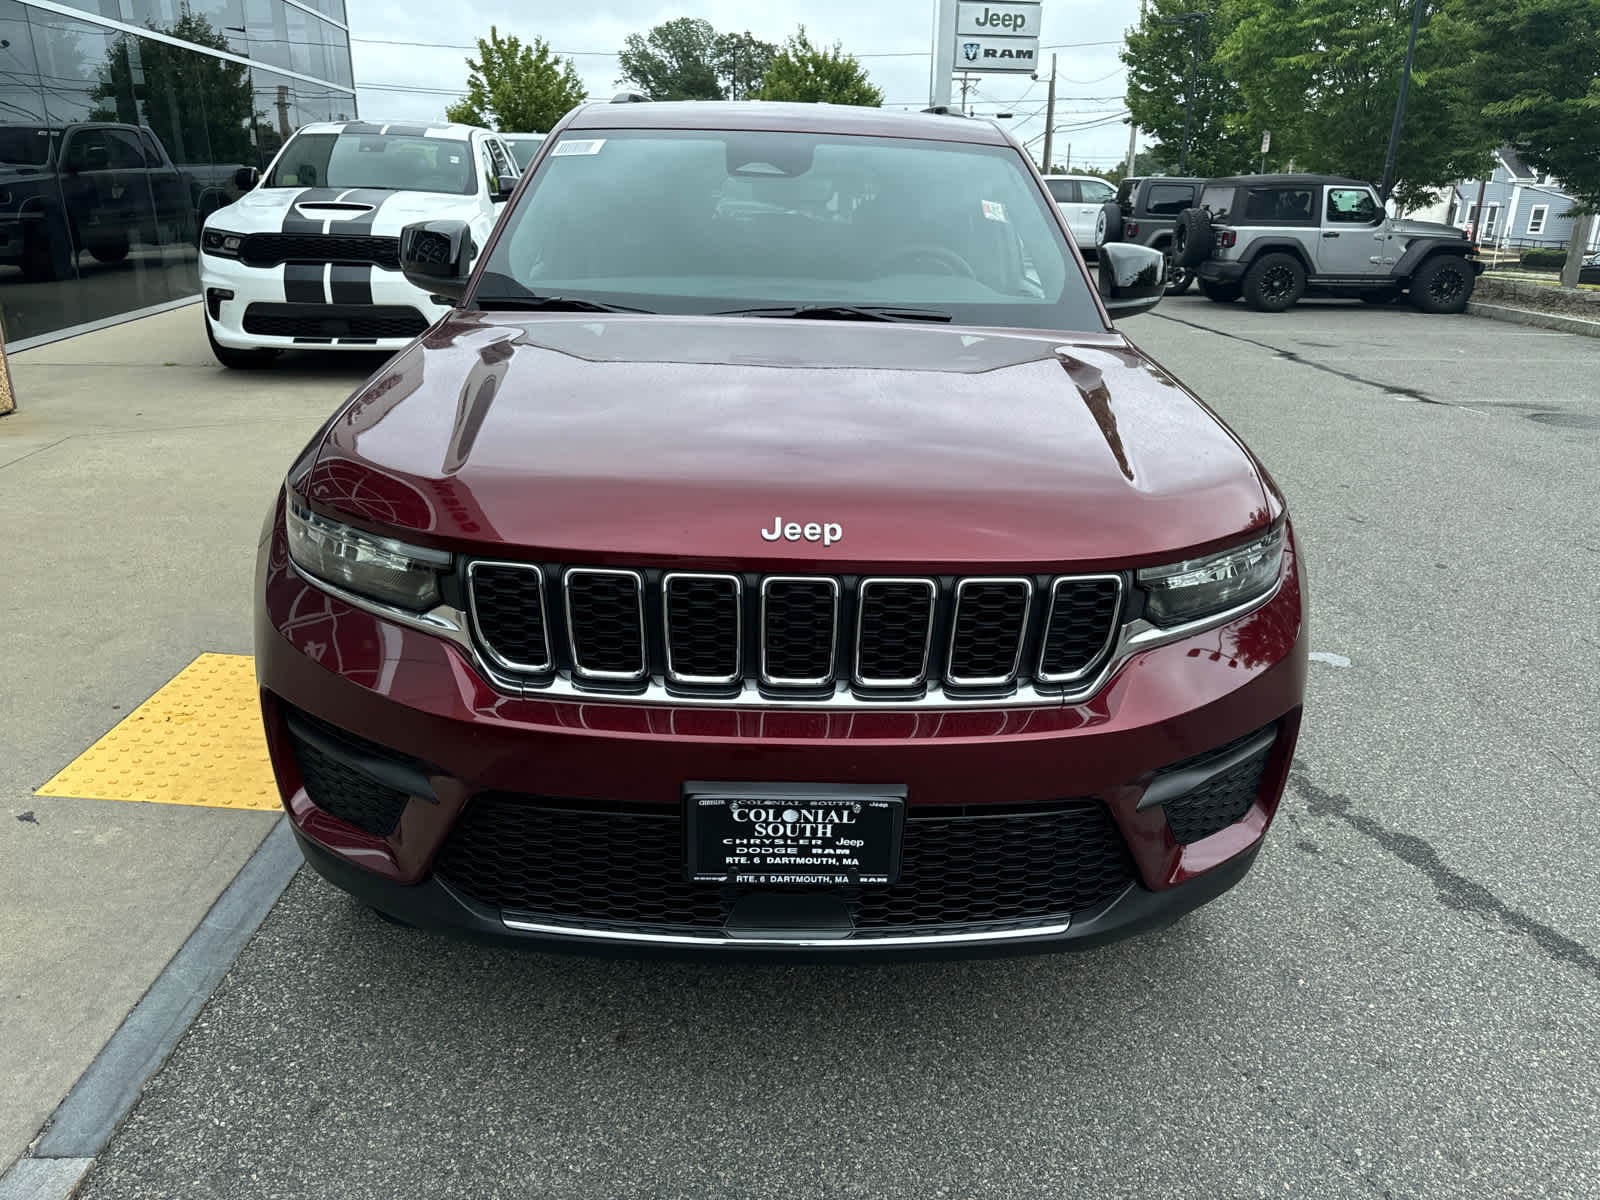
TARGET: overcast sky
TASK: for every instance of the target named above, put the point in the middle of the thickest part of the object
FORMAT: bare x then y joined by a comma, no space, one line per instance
891,37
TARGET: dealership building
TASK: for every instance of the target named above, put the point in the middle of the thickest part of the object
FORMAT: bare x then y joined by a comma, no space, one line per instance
122,126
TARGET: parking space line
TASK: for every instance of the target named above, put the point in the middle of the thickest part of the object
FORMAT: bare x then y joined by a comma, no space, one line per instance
197,741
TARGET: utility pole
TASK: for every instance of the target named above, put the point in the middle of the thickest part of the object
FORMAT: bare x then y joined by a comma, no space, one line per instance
1387,185
1069,158
966,86
1050,118
1197,21
1133,130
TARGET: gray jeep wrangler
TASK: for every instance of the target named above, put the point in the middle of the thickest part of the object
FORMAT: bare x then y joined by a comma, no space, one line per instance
1275,238
1147,213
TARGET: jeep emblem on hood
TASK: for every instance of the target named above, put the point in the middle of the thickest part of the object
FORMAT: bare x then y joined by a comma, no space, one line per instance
827,533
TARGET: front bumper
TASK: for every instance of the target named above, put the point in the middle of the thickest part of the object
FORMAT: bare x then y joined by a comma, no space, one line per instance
344,690
323,307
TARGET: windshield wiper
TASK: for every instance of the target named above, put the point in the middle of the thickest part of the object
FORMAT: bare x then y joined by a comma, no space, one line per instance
531,303
842,312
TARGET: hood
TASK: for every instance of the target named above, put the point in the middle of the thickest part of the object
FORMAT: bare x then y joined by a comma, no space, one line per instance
377,211
667,440
1410,228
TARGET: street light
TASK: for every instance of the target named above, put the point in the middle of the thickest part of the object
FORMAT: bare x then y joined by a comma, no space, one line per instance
1387,185
1198,21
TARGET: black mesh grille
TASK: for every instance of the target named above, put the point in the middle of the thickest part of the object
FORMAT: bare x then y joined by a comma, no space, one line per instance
991,620
270,249
896,620
508,602
625,868
326,321
1081,620
1221,800
703,626
799,632
606,627
346,793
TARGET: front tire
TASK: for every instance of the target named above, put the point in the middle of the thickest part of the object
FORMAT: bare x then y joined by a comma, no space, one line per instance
239,360
113,250
1222,293
1443,284
1274,282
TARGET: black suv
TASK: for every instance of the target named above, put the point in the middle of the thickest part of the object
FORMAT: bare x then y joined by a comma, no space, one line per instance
1275,238
1147,213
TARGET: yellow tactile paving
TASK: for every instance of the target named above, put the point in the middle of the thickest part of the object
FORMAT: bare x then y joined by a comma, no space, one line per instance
196,741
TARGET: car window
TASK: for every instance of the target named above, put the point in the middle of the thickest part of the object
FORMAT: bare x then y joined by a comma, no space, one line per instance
152,151
1278,205
1218,201
1125,193
523,149
736,220
1353,206
1094,191
1063,191
487,167
1168,199
375,160
103,150
26,144
504,164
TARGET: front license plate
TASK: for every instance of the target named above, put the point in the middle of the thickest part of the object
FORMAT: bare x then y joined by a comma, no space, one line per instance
836,838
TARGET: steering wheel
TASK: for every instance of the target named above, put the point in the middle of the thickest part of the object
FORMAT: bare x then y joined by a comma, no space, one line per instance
925,252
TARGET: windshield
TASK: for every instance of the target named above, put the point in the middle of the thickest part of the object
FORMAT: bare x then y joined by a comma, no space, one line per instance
523,149
698,222
375,160
26,144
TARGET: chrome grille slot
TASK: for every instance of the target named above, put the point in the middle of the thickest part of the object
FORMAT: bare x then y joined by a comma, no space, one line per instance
987,632
605,624
894,630
799,631
507,601
1084,611
703,629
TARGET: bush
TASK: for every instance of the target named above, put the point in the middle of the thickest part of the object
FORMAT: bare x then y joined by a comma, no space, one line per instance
1544,260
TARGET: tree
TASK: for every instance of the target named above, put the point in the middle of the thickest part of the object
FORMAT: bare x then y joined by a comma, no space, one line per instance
199,107
515,88
1158,56
1324,76
808,74
742,60
681,59
1533,74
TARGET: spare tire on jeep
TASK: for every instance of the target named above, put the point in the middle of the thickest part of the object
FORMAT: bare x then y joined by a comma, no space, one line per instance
1191,239
1113,218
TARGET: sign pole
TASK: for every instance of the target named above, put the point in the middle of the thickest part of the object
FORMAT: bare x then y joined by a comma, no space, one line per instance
944,54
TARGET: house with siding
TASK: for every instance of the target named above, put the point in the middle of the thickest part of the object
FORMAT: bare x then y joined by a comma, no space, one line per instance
1521,207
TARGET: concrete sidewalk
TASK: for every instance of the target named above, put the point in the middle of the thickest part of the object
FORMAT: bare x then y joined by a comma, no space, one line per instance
133,482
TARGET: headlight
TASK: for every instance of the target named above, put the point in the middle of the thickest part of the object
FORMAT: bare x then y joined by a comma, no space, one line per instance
1199,587
221,242
384,569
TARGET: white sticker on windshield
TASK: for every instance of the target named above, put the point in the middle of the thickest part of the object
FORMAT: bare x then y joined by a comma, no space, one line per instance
993,210
587,146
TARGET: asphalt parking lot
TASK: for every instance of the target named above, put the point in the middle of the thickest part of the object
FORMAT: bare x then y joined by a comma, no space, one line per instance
1400,1001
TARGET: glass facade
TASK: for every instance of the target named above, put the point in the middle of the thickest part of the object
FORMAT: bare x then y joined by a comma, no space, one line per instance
121,128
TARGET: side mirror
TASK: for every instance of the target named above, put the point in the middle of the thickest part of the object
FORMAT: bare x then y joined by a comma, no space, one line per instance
246,178
503,188
1132,278
436,256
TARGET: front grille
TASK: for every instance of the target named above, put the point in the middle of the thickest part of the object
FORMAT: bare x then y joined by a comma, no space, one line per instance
618,629
325,322
270,249
621,867
605,619
351,795
991,620
1222,800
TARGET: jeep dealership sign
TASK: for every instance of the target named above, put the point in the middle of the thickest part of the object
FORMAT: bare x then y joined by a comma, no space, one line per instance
997,37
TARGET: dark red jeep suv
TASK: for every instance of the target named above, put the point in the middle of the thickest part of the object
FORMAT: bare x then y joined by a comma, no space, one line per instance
777,550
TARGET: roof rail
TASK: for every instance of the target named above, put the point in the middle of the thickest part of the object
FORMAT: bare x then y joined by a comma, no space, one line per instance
630,98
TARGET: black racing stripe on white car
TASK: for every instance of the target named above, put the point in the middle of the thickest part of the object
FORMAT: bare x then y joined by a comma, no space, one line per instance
302,283
351,283
294,222
361,225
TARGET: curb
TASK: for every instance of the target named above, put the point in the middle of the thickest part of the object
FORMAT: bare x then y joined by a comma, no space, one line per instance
1533,316
84,1122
